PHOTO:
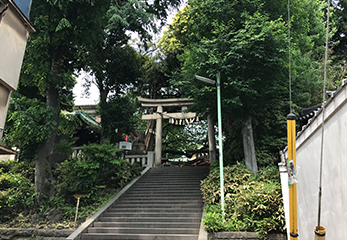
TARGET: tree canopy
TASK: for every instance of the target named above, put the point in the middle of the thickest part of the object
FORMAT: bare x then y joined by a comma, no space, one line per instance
75,35
246,41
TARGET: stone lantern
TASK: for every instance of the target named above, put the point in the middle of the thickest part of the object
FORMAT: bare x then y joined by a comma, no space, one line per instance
14,32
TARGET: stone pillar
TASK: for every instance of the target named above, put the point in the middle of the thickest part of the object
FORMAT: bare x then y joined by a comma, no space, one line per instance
150,158
211,139
158,136
248,146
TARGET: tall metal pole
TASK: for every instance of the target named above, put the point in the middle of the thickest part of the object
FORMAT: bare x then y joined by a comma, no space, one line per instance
293,212
220,135
220,142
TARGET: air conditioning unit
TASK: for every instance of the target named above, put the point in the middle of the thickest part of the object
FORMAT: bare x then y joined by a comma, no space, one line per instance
125,145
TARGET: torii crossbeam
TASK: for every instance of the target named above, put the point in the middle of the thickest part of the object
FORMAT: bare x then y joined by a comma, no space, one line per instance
160,115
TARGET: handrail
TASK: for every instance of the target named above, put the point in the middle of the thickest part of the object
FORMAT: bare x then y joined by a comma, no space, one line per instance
77,233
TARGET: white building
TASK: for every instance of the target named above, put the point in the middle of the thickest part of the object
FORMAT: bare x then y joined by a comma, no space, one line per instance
14,32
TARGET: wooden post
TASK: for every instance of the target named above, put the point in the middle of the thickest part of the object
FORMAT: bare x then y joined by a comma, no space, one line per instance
158,137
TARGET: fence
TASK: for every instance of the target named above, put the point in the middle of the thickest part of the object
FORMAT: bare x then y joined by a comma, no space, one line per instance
145,160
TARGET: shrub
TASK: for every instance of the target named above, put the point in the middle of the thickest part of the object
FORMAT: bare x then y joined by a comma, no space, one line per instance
98,167
25,168
252,203
16,194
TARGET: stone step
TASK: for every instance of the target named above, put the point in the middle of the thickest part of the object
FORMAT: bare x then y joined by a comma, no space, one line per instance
149,219
167,185
170,182
166,189
170,187
150,214
159,205
161,198
183,170
159,201
165,204
161,181
174,193
179,177
163,191
156,210
174,178
144,230
125,236
178,170
191,175
138,195
148,224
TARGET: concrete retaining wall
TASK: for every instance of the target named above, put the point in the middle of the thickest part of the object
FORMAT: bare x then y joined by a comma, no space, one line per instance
243,236
34,234
17,234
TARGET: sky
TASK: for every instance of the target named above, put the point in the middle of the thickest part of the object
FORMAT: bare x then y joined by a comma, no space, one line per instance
79,92
93,97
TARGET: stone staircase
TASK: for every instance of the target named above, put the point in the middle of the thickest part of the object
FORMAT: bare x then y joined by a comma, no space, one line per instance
164,204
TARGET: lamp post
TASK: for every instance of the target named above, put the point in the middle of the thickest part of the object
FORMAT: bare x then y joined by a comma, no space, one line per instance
220,136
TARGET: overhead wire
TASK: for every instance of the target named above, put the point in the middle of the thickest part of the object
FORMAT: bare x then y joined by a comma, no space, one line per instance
323,117
289,59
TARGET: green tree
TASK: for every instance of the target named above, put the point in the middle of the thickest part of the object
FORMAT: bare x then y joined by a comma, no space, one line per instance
138,16
117,118
64,29
116,65
246,41
338,66
185,140
115,69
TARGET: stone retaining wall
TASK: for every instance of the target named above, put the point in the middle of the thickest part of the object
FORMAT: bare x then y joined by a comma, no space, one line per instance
243,236
28,234
34,234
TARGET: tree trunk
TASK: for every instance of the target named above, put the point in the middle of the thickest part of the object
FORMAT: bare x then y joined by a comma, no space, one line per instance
211,139
103,100
248,146
44,182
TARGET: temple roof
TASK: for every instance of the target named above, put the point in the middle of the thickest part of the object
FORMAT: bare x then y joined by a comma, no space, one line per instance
87,119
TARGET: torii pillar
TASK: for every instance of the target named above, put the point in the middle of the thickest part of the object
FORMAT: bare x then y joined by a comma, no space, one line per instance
159,135
160,115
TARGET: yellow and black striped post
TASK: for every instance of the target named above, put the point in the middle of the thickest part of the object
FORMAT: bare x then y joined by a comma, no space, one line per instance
291,135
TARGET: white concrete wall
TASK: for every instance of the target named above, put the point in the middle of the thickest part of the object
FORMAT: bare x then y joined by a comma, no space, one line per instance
334,198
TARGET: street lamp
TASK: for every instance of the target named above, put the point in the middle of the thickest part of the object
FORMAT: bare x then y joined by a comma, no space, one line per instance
220,136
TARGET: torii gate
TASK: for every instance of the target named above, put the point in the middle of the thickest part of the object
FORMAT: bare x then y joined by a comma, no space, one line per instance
160,115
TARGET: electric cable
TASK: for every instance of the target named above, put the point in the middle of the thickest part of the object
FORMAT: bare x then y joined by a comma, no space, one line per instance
289,60
323,116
